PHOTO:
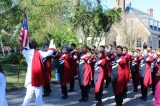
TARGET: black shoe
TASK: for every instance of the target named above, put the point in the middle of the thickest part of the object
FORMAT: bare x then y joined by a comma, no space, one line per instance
143,98
99,103
106,86
86,99
81,100
118,105
65,97
96,101
135,90
46,94
70,90
92,85
124,95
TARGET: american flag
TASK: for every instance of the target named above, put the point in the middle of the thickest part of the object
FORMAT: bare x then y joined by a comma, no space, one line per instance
24,33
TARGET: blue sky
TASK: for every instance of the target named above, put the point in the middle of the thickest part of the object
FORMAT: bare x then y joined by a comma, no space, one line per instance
142,5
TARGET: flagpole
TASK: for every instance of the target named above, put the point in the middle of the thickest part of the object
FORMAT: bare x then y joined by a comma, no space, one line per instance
21,46
19,65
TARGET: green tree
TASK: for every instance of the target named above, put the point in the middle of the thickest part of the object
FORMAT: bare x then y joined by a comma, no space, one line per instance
64,36
46,18
9,23
95,21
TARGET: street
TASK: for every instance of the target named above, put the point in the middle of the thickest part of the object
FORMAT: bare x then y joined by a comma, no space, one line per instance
16,98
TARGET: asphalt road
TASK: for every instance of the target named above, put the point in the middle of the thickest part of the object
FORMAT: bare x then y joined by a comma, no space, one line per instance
15,98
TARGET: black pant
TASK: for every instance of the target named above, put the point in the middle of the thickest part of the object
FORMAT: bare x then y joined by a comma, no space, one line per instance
84,91
144,90
72,83
92,83
135,86
98,96
119,96
47,88
64,89
153,81
125,91
119,99
108,80
134,79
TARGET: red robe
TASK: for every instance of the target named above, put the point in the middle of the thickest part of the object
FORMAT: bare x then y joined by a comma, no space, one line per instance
145,71
99,74
107,73
38,74
118,74
127,69
65,68
109,60
84,70
74,65
47,68
135,70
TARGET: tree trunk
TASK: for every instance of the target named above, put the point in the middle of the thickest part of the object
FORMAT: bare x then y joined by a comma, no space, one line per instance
102,37
15,49
2,47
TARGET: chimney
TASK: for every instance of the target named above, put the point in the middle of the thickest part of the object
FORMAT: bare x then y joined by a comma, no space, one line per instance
150,12
119,3
122,4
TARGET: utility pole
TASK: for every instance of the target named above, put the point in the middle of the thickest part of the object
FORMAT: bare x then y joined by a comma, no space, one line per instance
130,37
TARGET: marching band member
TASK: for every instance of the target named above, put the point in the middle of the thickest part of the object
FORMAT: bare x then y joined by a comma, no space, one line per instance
145,72
107,71
35,77
118,75
64,70
134,66
99,74
74,66
109,68
154,69
127,69
47,67
84,73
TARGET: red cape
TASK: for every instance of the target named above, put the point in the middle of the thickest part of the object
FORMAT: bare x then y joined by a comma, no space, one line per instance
147,76
100,78
87,72
121,79
47,67
37,76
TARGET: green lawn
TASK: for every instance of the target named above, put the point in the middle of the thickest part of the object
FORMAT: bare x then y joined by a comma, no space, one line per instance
11,73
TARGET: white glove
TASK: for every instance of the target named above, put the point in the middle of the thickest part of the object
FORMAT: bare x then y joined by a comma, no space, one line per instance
51,44
83,56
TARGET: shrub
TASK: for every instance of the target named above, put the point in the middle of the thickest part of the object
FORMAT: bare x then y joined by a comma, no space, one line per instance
2,59
12,58
23,61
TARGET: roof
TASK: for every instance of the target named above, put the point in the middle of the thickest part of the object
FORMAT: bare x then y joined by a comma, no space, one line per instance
151,24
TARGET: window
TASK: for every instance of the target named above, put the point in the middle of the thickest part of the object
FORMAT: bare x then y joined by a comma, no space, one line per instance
138,42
